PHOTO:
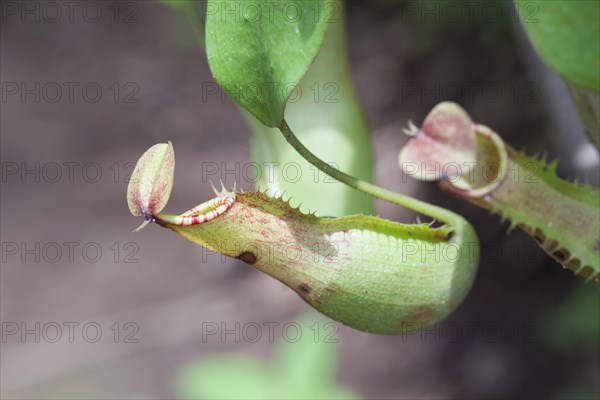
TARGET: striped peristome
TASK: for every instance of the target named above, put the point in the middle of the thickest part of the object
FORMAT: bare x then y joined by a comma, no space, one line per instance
202,213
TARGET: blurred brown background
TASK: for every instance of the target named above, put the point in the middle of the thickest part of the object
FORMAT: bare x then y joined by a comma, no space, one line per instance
137,75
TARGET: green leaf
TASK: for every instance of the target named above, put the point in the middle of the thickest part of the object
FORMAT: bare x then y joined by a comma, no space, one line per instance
258,54
151,182
567,35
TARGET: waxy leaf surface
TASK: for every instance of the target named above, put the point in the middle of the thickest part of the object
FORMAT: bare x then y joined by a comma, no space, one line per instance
259,54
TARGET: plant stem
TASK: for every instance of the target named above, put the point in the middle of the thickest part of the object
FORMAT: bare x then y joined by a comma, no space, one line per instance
417,205
588,104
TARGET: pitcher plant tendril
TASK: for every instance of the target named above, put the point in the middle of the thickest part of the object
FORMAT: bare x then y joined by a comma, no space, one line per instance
422,207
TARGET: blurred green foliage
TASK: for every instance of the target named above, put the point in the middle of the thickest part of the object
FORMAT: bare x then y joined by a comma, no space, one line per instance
302,369
567,35
195,10
572,330
576,321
